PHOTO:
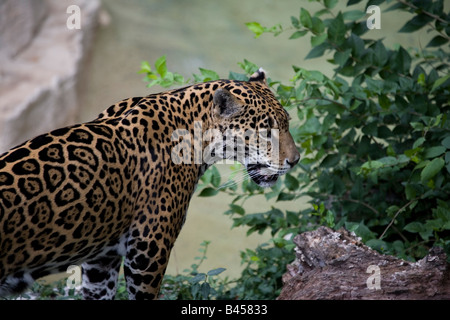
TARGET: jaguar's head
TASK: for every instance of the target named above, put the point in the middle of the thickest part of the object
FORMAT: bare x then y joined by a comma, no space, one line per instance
254,128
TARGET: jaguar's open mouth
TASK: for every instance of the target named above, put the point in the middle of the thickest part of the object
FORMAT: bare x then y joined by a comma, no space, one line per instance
263,175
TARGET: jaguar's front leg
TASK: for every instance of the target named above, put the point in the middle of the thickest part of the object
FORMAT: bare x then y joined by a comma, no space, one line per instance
159,215
100,278
145,265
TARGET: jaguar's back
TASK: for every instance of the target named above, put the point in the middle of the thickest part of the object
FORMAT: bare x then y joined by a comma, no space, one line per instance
96,192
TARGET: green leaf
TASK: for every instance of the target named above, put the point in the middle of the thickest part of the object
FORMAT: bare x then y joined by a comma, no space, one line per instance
298,34
418,142
197,278
295,22
354,15
317,51
370,165
384,101
160,66
316,40
336,30
434,152
291,182
178,78
437,41
374,85
341,57
446,142
248,66
215,176
292,217
145,67
377,244
417,126
402,62
205,289
361,230
417,227
305,18
283,196
318,26
321,12
439,82
215,272
313,75
447,161
237,209
371,129
431,169
237,76
208,192
380,54
414,227
330,4
410,192
311,126
256,28
416,23
331,160
208,75
352,2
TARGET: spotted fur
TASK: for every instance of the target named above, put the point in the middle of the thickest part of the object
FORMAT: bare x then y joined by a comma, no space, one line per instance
93,193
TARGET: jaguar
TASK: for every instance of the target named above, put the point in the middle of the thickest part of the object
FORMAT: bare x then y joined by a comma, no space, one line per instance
109,191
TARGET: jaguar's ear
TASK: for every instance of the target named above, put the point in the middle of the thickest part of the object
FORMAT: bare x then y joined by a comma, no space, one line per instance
226,105
259,75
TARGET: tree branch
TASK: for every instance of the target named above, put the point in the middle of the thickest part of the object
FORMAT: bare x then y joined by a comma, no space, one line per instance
395,217
423,11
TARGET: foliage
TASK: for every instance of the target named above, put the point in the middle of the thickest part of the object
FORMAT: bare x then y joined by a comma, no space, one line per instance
160,76
261,277
376,148
43,290
374,137
191,284
195,285
163,77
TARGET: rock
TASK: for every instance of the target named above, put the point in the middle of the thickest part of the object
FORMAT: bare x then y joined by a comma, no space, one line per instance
20,21
336,265
41,60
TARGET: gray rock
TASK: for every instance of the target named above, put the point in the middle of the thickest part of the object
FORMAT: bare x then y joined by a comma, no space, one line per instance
40,64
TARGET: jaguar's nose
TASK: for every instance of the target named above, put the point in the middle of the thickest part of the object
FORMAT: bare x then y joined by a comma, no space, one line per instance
292,161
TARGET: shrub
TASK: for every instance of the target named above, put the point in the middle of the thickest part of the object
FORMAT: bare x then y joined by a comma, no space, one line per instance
376,148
